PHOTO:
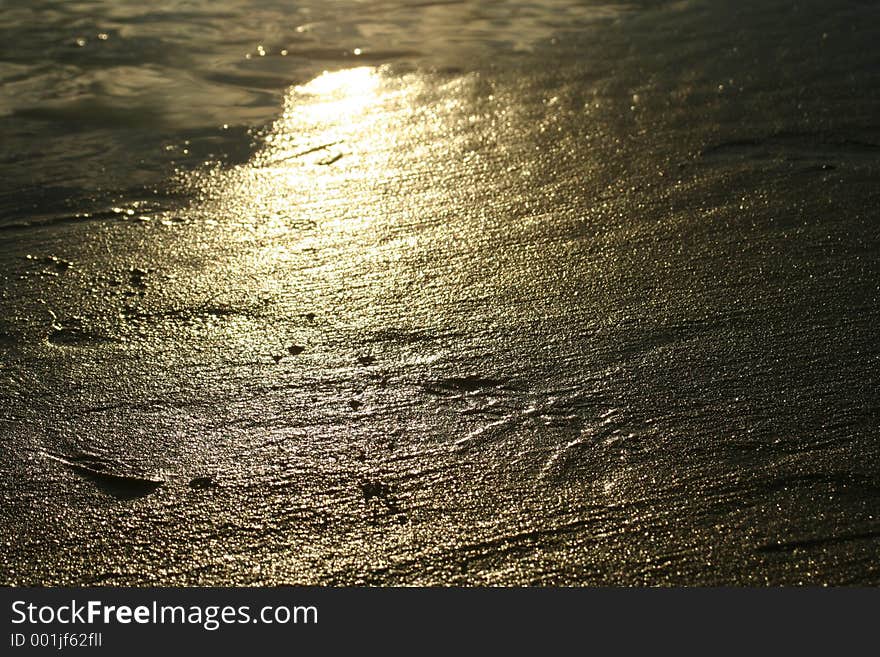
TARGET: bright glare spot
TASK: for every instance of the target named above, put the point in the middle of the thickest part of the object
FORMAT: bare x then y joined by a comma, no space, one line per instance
352,83
336,98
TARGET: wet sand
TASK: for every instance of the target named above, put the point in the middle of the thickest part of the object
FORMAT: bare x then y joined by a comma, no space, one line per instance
597,309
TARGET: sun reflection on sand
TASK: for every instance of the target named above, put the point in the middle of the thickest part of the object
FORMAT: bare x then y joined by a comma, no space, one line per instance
321,192
351,88
329,120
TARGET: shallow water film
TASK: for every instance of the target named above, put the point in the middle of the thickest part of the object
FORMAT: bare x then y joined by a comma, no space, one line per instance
506,293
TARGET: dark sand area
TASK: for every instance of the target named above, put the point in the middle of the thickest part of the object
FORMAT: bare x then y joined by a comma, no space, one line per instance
510,294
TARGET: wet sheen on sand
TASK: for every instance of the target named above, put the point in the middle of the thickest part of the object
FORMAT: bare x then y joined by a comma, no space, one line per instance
512,295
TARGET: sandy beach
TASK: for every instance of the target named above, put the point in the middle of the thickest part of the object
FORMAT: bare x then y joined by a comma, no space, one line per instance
441,293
